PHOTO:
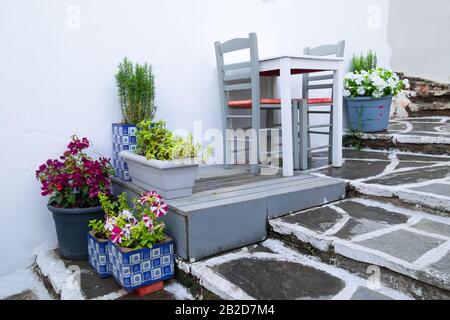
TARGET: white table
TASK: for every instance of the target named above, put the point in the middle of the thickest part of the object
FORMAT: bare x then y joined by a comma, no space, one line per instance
305,64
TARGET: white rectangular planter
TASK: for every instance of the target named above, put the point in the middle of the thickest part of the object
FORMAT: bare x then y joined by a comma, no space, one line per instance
171,178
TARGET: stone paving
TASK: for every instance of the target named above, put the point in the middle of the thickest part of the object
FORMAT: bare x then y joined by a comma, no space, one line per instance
271,270
423,130
76,280
23,285
406,241
416,178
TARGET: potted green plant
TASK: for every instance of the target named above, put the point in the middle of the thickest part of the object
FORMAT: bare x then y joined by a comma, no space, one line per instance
73,183
368,92
136,92
163,161
139,252
98,247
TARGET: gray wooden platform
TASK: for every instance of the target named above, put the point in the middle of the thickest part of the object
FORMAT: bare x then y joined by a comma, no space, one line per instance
229,208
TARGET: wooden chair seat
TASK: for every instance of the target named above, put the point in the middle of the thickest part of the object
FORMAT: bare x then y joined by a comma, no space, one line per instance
247,104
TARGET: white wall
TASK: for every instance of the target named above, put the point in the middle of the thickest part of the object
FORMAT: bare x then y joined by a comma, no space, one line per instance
419,35
55,81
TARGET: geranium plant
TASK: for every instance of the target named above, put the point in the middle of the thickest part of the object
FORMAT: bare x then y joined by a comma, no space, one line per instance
136,227
376,83
75,179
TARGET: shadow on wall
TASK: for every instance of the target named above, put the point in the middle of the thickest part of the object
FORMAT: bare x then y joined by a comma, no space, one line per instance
418,34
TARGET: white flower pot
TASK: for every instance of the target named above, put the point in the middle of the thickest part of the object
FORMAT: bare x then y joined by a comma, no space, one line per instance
171,178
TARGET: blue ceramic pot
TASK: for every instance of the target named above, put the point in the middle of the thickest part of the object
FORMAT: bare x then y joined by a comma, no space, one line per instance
368,114
133,269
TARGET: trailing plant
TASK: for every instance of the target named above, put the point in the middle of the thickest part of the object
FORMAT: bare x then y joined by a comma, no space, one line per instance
364,62
354,138
75,179
136,91
138,227
375,83
155,141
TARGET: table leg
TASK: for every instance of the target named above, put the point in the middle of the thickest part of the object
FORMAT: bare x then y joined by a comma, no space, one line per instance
337,118
286,116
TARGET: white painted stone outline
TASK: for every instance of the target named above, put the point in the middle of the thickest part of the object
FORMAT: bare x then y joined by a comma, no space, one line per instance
351,249
401,136
225,289
404,192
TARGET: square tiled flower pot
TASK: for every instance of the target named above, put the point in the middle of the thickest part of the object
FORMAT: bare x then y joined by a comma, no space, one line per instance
123,138
98,255
133,269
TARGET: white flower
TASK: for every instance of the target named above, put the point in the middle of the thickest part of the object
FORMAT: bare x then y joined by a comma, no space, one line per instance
110,223
349,76
361,91
377,81
406,83
358,79
377,94
127,214
347,93
392,83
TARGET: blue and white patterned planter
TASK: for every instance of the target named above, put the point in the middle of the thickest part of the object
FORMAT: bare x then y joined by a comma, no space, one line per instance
123,138
138,268
98,255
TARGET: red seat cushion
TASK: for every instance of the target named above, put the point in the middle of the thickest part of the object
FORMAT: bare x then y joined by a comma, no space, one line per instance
247,104
320,100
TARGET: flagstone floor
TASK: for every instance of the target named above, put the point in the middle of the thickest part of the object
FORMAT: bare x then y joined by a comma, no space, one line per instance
401,239
416,178
271,270
417,130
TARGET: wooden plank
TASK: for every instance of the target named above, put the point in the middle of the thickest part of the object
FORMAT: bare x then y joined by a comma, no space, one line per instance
236,66
320,78
319,86
255,188
236,87
237,76
253,196
260,189
234,45
267,180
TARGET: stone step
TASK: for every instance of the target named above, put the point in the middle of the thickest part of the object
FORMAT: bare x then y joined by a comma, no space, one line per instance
271,270
23,284
409,249
414,178
76,280
429,135
231,211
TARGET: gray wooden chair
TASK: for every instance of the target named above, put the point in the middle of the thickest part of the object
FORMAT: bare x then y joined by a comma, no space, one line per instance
311,83
243,76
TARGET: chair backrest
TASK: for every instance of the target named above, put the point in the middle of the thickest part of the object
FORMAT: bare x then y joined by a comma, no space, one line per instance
309,81
238,76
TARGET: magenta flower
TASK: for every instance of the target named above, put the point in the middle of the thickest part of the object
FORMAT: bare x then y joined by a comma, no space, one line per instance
159,208
75,179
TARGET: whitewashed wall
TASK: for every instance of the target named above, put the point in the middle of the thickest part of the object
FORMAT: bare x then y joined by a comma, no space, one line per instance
57,77
419,36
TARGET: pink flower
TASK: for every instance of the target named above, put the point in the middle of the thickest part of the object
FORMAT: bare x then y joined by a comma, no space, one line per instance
159,209
149,197
116,235
110,223
148,222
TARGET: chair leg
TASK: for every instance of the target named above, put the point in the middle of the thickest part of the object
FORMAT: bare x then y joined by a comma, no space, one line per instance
254,144
330,137
303,136
308,134
295,134
227,140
